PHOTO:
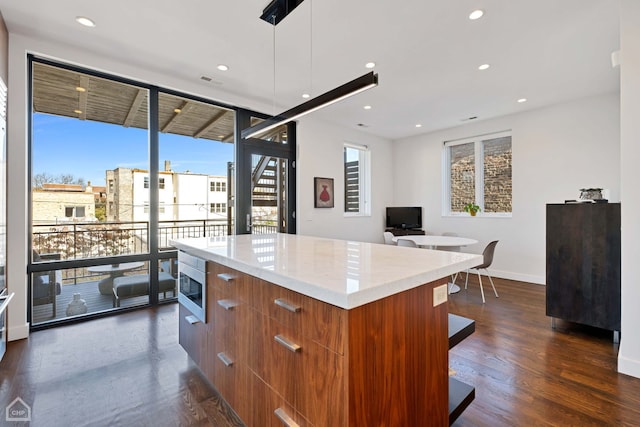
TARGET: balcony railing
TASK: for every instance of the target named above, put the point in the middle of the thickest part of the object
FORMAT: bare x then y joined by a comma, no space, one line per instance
95,240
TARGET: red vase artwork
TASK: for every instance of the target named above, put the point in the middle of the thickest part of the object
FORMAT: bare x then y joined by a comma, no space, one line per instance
323,192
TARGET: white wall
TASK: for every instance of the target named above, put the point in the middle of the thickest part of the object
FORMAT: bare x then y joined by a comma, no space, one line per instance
629,354
556,151
320,154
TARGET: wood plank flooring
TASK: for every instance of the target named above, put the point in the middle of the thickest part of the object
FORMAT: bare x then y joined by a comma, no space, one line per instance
129,370
528,374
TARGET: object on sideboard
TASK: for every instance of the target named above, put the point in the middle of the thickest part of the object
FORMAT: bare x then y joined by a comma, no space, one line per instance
590,193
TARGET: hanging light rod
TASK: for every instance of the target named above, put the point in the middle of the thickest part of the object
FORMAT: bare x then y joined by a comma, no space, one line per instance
351,88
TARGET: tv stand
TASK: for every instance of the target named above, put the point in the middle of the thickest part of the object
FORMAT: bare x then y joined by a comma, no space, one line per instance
406,231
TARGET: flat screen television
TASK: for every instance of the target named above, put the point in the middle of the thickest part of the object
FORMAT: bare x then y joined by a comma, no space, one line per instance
405,217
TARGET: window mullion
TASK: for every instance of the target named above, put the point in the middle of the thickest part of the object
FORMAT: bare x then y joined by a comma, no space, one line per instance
479,175
446,180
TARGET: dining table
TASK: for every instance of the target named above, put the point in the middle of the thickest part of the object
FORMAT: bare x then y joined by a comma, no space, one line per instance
440,242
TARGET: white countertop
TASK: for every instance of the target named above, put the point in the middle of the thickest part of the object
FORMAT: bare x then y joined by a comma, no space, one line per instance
340,272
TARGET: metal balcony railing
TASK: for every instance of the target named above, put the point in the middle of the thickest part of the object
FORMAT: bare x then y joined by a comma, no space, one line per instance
95,240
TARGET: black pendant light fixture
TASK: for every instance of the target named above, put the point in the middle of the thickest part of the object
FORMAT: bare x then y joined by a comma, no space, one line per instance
275,12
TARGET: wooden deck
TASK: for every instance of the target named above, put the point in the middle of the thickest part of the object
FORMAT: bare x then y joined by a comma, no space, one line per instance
88,291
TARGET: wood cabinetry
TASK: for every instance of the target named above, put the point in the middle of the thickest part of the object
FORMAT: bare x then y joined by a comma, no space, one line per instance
583,263
308,363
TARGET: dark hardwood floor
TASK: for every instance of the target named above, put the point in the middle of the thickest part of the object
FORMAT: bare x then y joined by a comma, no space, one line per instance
528,374
129,370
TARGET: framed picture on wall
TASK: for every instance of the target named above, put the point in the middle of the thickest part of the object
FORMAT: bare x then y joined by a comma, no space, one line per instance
323,192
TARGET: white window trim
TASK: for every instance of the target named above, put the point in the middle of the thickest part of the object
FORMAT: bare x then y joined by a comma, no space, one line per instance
365,180
479,159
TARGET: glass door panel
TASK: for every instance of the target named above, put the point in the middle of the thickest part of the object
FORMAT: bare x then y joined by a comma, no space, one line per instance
269,179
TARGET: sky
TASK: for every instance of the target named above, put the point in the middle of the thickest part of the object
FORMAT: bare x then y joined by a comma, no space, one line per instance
86,149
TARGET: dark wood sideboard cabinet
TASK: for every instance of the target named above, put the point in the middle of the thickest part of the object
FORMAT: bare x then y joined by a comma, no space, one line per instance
583,263
405,232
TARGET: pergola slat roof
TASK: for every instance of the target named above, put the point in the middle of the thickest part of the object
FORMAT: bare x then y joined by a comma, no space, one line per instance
56,92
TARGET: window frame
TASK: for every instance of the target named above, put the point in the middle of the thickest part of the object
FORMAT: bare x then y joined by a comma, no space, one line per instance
478,177
364,179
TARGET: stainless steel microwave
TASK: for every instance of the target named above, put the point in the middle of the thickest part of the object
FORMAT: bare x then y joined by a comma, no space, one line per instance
193,285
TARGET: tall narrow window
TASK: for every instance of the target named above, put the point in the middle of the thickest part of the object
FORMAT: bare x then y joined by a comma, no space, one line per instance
478,170
356,180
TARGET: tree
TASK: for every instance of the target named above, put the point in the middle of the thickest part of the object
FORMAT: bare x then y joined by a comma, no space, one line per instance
101,212
42,178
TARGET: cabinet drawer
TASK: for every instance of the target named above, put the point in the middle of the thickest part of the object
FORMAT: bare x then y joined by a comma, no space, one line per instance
191,336
319,321
233,283
307,375
269,409
230,326
230,377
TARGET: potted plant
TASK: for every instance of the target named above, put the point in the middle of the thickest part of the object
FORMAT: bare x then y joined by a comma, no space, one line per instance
472,208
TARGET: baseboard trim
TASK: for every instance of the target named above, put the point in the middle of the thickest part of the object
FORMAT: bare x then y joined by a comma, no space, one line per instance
627,366
18,332
510,275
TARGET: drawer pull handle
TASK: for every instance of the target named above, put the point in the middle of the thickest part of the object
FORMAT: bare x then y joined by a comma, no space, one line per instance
285,418
289,345
226,277
225,359
192,319
287,305
227,304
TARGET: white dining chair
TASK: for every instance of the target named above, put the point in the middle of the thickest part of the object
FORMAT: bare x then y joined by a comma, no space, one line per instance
388,238
408,243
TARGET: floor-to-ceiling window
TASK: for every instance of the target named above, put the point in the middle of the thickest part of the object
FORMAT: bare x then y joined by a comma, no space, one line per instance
117,170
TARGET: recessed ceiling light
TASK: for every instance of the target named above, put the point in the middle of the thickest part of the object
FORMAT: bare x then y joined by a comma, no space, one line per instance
80,89
418,125
484,67
83,20
476,14
177,110
77,111
370,64
223,67
367,107
306,95
521,100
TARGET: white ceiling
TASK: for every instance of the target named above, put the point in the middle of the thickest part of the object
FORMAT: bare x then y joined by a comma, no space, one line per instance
427,52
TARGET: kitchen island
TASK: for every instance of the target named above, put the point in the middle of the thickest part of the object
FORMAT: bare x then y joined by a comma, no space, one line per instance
302,330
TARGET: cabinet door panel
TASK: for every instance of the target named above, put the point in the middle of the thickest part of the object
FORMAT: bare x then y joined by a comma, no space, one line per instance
229,318
319,321
231,381
307,375
265,403
232,283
